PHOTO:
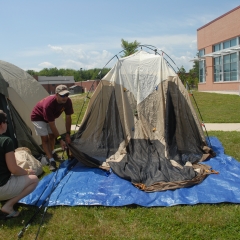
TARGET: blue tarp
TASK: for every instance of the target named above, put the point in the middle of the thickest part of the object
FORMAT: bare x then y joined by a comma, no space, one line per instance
74,184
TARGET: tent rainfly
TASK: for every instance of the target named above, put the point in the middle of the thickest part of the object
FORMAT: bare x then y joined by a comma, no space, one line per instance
140,123
19,92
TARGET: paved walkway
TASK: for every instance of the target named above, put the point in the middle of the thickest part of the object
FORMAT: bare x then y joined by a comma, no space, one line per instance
74,128
222,127
224,92
209,127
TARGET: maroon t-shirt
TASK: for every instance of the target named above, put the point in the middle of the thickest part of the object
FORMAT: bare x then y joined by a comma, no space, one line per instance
48,109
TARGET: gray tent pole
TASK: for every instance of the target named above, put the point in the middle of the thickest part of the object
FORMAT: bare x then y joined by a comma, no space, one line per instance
98,76
199,114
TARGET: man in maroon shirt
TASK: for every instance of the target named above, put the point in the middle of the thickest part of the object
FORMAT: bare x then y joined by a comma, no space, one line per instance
43,118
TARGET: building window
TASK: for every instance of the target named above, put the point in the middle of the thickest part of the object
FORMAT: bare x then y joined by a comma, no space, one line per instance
217,47
230,43
201,66
230,67
239,64
201,71
217,69
201,53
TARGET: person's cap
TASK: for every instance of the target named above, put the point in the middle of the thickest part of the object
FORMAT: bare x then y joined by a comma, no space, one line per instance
61,89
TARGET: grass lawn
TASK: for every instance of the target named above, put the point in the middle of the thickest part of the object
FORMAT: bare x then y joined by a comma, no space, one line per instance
80,103
202,221
213,107
217,108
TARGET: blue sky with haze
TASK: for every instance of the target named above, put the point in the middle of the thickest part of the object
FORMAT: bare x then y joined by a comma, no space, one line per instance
86,34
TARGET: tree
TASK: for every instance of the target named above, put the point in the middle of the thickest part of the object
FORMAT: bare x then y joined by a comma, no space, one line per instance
182,74
192,77
194,74
31,72
129,47
79,75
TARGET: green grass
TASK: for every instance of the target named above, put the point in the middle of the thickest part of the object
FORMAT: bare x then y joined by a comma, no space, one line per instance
230,142
202,221
213,107
217,108
80,103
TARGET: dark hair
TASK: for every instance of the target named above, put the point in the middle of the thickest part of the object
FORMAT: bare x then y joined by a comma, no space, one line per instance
3,116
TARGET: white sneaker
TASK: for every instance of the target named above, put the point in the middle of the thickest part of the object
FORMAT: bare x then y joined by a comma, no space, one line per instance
44,161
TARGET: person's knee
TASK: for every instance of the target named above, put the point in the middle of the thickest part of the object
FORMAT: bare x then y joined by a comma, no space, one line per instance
33,179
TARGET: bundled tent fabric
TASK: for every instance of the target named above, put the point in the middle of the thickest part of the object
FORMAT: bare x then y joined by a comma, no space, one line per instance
26,160
19,92
140,123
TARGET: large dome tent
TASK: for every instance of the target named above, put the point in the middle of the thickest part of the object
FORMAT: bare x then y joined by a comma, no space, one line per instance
141,124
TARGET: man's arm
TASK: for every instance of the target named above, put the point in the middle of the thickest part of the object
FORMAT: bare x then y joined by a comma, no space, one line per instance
56,134
68,128
54,129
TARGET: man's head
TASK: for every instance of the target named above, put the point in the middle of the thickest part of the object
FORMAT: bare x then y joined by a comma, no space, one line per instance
61,90
62,93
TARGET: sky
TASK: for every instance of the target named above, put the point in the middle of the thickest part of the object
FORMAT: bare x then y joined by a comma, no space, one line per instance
37,34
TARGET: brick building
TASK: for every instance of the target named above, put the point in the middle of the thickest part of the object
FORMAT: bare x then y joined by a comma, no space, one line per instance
219,53
89,85
50,83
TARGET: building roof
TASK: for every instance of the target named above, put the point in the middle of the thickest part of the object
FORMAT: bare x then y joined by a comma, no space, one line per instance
219,17
56,80
75,86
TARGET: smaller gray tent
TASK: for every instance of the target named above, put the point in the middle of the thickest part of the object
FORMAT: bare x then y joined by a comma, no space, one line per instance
19,92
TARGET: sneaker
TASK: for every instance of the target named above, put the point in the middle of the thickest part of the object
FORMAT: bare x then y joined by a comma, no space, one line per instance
44,161
56,156
52,166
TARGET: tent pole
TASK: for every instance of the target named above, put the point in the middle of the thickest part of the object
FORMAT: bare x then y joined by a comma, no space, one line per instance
199,113
98,78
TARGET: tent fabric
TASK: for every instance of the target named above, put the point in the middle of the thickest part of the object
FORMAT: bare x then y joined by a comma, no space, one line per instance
140,123
19,92
17,129
78,185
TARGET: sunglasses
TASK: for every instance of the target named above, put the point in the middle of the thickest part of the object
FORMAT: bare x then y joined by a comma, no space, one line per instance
65,95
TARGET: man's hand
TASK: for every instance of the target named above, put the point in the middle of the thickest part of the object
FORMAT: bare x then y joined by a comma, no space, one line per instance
68,139
63,145
30,171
